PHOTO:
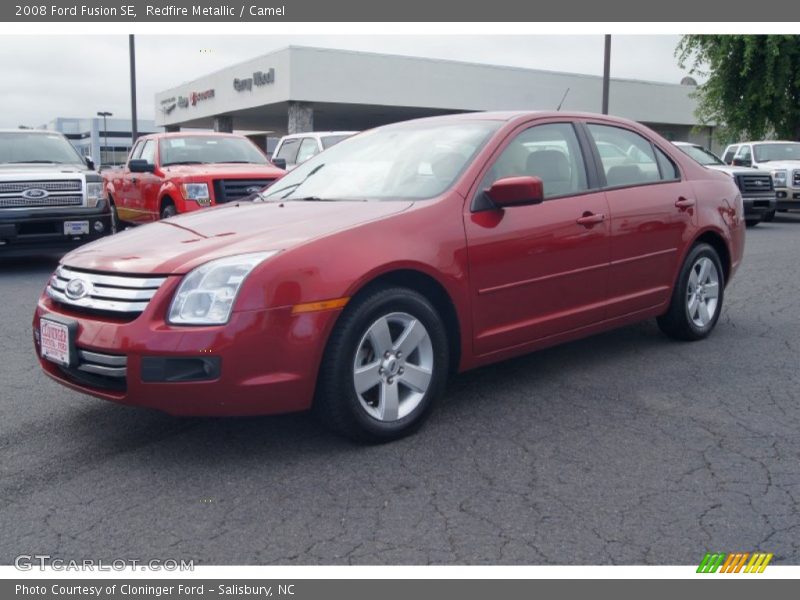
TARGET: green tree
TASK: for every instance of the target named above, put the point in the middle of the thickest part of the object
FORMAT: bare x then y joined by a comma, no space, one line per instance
752,87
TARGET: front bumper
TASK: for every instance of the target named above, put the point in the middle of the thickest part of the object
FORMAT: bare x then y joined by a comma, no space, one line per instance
260,362
788,198
38,231
758,206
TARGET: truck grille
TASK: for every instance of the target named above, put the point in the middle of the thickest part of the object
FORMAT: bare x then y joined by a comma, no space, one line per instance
49,193
796,178
96,292
33,202
99,370
229,190
755,183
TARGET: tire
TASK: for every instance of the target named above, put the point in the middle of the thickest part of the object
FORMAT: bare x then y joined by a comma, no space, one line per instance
168,210
752,222
357,351
768,216
685,319
114,215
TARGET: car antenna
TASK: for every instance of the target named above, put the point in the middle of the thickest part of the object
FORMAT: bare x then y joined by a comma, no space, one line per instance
562,100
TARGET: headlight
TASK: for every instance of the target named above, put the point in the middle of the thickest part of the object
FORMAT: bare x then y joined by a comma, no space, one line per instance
94,193
206,295
779,178
197,192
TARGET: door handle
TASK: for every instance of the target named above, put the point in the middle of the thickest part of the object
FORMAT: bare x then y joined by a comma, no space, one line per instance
133,180
589,219
684,203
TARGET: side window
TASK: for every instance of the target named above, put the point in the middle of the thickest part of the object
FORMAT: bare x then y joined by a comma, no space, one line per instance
137,150
633,163
729,154
308,148
669,171
288,150
148,152
550,152
745,155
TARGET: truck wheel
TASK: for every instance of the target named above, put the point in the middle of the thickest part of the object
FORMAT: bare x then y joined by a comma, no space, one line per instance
168,210
768,216
752,222
697,298
384,367
114,216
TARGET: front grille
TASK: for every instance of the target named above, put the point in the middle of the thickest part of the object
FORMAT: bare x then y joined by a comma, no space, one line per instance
229,190
755,183
48,193
796,178
34,202
17,187
95,292
99,370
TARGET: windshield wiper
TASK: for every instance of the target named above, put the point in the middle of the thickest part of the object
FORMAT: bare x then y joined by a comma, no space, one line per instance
186,162
35,162
290,188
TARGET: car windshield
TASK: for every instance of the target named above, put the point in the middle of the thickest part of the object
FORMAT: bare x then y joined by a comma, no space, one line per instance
769,152
701,155
406,161
203,149
34,147
331,140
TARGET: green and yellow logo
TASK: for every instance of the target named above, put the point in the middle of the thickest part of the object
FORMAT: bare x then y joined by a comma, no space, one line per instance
735,562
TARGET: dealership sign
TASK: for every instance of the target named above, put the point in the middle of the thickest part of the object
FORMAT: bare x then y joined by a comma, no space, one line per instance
259,78
195,97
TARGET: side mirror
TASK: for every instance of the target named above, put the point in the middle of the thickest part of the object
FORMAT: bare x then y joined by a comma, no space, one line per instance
139,165
741,162
89,163
516,191
279,162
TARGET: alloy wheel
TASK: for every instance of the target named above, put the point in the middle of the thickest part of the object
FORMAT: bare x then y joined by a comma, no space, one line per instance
702,292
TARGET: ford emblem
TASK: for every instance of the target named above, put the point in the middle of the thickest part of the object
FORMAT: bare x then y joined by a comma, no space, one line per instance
253,190
77,289
35,194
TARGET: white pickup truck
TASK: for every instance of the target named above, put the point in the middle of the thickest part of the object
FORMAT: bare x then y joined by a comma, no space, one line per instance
51,199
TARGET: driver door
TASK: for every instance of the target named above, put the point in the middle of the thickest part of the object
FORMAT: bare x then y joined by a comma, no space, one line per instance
540,270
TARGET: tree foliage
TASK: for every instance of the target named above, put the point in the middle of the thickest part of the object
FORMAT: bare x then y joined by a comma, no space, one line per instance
752,87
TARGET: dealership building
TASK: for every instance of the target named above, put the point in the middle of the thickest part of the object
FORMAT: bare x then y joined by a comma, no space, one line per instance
300,89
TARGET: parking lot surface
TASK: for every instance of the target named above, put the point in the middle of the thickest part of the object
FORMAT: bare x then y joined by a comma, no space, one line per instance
625,448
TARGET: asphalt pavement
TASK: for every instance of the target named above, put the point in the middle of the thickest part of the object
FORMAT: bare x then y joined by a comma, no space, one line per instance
625,448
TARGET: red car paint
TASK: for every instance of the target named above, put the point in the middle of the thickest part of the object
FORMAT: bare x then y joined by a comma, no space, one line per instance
141,197
518,279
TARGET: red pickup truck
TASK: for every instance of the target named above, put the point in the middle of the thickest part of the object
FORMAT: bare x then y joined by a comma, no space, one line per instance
171,173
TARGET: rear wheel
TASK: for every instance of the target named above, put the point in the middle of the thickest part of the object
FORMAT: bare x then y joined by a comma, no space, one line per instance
114,216
384,367
697,298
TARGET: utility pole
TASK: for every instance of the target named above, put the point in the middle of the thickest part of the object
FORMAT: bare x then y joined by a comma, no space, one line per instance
606,73
134,119
104,114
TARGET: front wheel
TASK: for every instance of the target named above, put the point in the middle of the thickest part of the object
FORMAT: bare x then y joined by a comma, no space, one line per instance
768,216
697,298
168,210
384,367
752,222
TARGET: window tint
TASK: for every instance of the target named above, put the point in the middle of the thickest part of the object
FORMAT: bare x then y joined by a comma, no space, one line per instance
635,164
745,154
669,172
729,154
149,152
550,152
288,150
308,148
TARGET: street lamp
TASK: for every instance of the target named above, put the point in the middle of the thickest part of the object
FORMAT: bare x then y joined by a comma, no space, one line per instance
104,114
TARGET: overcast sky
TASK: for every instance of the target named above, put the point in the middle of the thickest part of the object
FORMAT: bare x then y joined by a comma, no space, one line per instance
76,76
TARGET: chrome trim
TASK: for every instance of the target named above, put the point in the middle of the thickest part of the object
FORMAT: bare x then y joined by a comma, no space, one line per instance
17,187
48,202
101,370
108,293
111,360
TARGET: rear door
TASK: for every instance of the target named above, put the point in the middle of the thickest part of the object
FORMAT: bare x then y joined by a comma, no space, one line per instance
148,185
652,213
540,270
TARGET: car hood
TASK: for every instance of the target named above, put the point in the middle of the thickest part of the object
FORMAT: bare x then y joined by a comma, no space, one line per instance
39,169
177,245
733,170
224,170
777,165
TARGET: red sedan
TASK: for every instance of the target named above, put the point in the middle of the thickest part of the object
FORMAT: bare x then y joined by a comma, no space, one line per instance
363,278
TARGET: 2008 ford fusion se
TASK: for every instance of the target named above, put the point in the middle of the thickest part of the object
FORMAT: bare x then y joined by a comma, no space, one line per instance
358,282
